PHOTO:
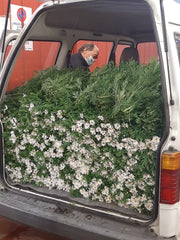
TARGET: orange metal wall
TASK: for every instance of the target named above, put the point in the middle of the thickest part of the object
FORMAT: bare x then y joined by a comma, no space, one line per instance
30,62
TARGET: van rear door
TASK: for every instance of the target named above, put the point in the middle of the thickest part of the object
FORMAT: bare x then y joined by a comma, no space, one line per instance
169,207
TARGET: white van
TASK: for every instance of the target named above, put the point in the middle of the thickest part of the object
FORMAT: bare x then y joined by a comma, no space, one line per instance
61,26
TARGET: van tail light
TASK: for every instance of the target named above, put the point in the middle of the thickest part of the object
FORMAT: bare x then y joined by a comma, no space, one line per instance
170,171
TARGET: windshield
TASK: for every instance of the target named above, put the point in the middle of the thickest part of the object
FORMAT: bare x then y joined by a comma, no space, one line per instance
177,39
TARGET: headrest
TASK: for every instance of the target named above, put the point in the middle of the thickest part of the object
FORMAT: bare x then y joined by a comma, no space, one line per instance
130,53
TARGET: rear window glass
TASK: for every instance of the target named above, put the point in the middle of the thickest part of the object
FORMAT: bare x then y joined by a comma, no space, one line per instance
145,51
34,56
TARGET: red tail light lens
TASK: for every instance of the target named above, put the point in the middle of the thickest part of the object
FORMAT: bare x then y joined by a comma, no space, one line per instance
170,171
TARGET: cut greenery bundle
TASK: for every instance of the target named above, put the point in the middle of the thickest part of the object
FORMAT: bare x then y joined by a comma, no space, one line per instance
93,135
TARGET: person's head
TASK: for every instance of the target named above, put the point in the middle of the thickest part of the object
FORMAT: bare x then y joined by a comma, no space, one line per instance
90,52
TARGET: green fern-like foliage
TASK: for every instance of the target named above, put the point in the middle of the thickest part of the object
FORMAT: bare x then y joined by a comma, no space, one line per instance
128,93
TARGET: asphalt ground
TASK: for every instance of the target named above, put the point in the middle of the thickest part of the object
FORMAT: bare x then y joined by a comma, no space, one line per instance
15,231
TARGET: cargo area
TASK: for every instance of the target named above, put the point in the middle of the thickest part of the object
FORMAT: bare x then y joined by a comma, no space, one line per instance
88,139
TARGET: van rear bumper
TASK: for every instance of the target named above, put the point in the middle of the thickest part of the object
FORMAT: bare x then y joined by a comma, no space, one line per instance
68,222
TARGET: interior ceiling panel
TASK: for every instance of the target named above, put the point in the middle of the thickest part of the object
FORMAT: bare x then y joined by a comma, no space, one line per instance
129,18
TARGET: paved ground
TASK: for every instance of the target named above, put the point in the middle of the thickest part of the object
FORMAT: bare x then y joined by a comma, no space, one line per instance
14,231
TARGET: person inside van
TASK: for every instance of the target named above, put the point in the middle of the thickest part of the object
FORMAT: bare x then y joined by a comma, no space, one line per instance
86,56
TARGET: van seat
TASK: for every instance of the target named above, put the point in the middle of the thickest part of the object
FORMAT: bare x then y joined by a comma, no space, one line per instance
129,53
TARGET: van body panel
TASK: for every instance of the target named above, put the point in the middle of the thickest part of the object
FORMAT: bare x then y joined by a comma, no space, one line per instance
69,222
172,26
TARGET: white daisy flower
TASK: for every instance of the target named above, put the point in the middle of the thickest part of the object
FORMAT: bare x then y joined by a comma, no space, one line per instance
86,125
117,126
101,118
